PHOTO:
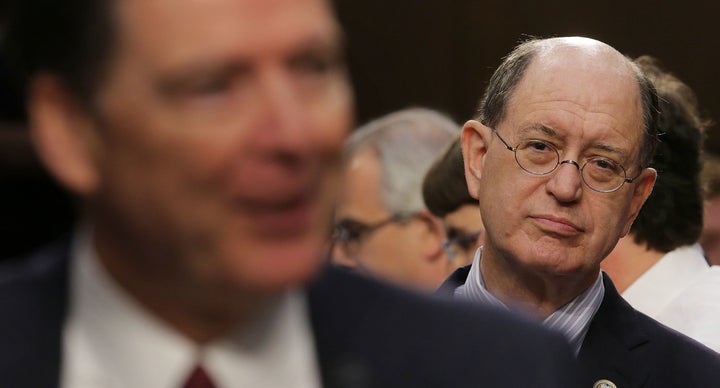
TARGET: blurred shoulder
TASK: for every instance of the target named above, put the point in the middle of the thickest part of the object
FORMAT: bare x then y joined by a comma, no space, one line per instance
46,263
431,339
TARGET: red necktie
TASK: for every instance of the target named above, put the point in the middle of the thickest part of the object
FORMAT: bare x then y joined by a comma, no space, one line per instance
198,379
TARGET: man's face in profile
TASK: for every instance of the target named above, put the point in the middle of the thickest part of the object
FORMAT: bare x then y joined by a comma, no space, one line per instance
218,131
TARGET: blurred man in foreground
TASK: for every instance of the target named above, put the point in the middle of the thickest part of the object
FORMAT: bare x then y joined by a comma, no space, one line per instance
203,140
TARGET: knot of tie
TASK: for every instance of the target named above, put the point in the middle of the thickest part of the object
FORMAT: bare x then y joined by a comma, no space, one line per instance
198,378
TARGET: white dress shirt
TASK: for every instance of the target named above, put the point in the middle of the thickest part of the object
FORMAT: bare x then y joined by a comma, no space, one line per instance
110,341
653,291
696,311
683,292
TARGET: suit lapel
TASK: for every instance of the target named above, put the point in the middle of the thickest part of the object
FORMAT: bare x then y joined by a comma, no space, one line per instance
34,300
338,309
455,280
614,345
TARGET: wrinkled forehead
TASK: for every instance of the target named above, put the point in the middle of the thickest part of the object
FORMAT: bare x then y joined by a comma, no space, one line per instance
586,78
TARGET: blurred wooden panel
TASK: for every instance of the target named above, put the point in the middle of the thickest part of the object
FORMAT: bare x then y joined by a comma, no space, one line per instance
440,53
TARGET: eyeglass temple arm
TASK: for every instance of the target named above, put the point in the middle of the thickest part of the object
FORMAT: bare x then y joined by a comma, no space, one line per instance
513,149
631,180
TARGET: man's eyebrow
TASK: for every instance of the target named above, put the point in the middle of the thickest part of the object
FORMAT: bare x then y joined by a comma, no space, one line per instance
538,128
332,48
228,65
174,81
551,132
455,230
608,148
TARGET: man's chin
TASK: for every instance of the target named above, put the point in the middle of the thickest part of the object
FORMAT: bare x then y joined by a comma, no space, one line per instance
276,268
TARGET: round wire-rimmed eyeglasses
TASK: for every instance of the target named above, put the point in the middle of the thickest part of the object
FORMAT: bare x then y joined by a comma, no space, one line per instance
538,157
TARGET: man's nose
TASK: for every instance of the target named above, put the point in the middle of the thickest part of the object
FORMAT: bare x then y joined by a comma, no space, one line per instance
565,184
284,112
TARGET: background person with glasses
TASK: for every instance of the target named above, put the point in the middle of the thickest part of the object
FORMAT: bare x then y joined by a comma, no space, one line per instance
446,195
558,158
382,227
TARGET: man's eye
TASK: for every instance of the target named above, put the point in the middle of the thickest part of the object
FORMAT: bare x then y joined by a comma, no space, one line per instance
452,233
209,87
349,230
353,235
606,164
314,65
537,145
467,244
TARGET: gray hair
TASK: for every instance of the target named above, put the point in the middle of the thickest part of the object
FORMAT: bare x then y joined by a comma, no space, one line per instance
406,143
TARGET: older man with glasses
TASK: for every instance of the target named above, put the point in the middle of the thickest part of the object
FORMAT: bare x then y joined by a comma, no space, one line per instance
559,160
382,227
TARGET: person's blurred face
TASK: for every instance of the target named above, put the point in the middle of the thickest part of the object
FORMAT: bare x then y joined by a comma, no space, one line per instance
396,251
584,100
460,224
710,239
219,128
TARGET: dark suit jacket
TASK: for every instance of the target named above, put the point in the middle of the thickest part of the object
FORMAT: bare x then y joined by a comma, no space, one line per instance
631,349
367,334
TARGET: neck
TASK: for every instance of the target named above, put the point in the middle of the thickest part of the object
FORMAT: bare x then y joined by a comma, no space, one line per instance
537,293
199,309
628,261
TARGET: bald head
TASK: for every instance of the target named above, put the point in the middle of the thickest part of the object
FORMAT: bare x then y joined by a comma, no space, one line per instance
589,64
587,54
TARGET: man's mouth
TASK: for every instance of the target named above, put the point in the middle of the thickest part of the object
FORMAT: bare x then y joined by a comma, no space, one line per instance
558,225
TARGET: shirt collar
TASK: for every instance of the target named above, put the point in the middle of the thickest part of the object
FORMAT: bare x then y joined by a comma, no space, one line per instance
572,319
112,341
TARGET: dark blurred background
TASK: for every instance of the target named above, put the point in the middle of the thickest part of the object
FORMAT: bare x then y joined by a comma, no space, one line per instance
434,53
440,53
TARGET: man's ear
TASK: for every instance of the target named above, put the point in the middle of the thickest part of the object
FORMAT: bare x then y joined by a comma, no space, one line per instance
643,186
62,133
475,141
